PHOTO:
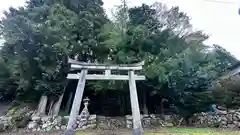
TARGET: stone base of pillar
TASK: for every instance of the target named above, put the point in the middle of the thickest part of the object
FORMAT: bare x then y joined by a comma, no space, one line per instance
138,131
69,132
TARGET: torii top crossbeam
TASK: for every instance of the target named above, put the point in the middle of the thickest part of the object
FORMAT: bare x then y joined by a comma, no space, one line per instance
93,66
76,65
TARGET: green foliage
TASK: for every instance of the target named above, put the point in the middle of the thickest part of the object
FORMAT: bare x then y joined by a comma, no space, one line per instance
227,98
179,67
7,84
42,35
20,116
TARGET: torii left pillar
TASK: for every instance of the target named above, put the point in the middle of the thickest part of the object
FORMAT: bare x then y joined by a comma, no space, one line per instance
137,126
76,103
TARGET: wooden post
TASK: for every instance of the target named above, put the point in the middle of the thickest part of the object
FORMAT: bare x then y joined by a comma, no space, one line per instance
76,103
137,126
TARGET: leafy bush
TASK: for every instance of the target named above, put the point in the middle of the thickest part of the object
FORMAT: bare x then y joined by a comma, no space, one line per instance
20,116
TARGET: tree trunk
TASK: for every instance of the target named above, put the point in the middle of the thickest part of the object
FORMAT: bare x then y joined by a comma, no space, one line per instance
50,108
187,119
42,105
56,106
121,105
180,122
68,106
145,109
162,109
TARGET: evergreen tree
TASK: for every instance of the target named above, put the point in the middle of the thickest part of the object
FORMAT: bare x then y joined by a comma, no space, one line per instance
179,67
40,37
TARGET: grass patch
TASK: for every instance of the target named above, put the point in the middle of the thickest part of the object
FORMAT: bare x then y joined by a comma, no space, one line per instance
193,131
81,133
185,130
167,131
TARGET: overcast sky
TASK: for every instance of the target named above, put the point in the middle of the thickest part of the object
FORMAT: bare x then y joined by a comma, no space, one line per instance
218,19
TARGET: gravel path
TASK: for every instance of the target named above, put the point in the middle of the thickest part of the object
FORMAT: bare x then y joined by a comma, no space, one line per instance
22,132
88,132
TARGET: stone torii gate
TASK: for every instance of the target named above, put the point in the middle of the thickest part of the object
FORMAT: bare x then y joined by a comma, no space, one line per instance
83,76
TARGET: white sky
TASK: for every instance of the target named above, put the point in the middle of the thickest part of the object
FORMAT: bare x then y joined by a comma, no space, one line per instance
220,20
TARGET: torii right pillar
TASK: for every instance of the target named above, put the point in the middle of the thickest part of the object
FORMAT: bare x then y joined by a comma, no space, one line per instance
137,126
